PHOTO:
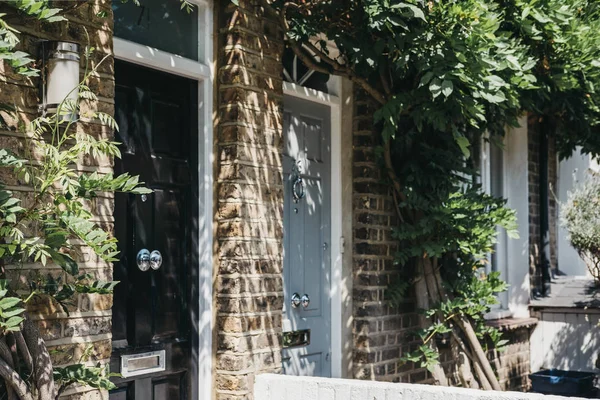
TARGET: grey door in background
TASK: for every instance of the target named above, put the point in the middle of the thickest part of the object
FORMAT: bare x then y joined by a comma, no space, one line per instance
307,235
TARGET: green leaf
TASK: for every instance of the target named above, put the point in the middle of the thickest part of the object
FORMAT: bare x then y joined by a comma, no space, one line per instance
435,87
447,88
9,302
464,144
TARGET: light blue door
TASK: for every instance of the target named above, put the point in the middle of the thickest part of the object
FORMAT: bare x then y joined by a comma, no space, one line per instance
307,235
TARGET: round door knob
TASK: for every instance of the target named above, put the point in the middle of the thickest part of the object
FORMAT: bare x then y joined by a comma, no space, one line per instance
295,300
143,260
155,260
305,300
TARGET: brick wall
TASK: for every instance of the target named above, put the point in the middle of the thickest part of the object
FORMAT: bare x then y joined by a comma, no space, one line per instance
249,199
535,132
380,331
89,318
382,334
553,218
533,151
512,365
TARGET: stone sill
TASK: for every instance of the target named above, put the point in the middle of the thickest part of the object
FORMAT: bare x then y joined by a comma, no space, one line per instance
511,324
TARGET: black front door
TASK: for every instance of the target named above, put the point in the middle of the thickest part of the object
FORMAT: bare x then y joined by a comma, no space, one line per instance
154,308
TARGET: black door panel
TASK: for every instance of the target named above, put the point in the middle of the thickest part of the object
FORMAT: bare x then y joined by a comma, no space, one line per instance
157,116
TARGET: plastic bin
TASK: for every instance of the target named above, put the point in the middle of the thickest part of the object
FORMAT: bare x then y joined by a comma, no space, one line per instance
564,383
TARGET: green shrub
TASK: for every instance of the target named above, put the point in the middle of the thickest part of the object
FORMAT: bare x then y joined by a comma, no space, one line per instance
580,215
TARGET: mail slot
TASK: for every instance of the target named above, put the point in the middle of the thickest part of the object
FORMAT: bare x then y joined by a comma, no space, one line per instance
296,338
143,363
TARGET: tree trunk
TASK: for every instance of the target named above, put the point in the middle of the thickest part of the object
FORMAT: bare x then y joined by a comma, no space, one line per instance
42,364
430,291
478,352
423,303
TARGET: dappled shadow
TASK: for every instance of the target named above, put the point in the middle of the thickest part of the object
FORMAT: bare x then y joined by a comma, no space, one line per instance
570,340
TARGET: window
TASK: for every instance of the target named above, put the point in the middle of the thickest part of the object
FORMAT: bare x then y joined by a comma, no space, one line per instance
160,24
492,167
295,71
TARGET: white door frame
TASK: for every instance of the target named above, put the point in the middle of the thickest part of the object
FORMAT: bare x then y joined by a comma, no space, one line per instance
336,247
203,72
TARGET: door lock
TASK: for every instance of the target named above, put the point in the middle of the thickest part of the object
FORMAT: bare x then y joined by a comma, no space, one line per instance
143,260
297,300
305,300
146,260
155,260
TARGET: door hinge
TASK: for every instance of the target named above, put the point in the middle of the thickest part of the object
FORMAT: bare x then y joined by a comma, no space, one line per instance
342,244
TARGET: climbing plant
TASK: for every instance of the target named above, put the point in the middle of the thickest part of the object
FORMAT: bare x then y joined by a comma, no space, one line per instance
50,223
441,74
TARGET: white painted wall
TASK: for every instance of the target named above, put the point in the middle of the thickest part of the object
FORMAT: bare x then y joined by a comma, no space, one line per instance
566,340
571,172
278,387
517,193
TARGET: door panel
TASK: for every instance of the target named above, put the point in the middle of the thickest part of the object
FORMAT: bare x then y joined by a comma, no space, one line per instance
307,234
157,116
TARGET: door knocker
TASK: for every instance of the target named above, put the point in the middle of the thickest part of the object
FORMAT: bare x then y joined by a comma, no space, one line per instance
298,189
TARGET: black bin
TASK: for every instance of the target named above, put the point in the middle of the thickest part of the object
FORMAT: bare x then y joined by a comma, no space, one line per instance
563,383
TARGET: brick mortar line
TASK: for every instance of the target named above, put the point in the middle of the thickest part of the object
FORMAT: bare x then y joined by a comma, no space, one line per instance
250,87
246,371
79,339
25,85
241,335
252,145
71,315
261,111
250,276
248,50
266,350
252,258
253,126
254,71
237,28
247,239
40,34
33,266
256,89
248,201
34,110
241,296
261,184
265,314
251,333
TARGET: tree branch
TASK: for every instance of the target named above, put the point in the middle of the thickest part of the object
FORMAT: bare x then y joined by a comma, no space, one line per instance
5,354
336,67
24,351
12,379
42,363
12,347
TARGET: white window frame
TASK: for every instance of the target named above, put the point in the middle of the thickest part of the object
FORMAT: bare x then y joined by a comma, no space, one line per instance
501,253
201,70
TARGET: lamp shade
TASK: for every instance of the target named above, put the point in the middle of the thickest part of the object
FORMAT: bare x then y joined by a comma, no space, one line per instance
62,75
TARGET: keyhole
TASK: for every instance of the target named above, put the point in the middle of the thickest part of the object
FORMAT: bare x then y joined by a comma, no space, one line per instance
296,210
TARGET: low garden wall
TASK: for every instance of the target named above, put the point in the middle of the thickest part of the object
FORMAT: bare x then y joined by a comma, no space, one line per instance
281,387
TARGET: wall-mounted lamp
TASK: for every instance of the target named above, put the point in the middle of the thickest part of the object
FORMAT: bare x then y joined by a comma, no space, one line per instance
60,69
